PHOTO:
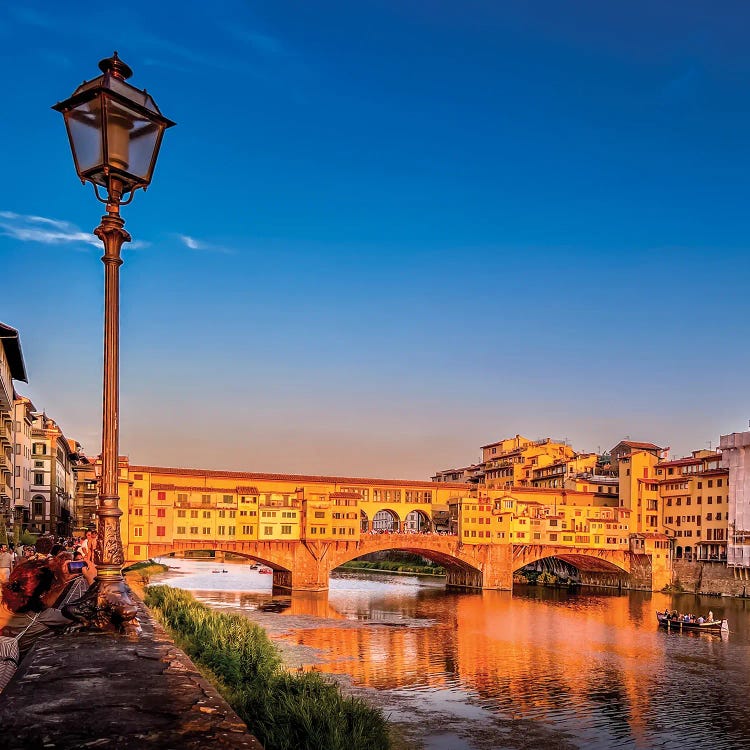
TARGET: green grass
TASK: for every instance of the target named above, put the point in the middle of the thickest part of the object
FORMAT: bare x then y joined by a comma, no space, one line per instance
284,711
390,566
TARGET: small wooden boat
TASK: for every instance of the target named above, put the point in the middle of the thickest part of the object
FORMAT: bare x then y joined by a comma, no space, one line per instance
678,623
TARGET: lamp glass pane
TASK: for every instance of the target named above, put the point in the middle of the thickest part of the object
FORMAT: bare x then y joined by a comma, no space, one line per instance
131,140
85,130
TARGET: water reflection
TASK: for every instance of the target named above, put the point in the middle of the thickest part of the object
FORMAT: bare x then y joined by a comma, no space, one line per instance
540,667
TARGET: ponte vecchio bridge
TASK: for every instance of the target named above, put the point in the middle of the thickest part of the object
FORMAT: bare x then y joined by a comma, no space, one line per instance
306,565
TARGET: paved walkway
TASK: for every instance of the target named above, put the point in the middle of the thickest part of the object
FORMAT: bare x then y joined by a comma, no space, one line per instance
93,690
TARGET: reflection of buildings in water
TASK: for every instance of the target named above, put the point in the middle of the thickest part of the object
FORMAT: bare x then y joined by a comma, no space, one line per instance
537,661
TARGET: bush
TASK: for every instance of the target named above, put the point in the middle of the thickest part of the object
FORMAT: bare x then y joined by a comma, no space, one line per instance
27,538
283,710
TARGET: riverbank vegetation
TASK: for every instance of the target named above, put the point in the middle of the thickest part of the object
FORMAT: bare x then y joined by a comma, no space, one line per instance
282,709
142,571
389,566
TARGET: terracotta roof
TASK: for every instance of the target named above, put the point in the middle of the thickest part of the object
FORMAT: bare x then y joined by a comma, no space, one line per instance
641,446
214,474
345,496
247,491
682,462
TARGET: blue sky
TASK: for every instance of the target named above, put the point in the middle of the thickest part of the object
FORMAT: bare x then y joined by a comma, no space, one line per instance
385,233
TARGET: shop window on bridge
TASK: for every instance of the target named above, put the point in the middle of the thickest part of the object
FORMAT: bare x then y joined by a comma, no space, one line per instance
553,537
567,538
537,535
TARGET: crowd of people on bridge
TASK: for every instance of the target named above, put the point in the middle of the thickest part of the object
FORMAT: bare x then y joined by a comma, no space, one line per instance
37,582
423,532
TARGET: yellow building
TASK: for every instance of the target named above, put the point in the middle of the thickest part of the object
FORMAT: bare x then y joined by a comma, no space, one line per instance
511,462
525,515
694,492
167,504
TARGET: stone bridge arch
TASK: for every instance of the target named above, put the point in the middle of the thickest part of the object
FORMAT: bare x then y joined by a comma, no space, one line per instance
608,567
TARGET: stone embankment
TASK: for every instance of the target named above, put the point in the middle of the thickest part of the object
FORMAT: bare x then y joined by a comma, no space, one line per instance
711,578
98,690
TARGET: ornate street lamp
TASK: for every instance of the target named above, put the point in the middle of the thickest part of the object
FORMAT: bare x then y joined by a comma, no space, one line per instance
115,132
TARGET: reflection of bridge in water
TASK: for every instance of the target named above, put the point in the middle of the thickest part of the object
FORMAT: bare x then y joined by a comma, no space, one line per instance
307,565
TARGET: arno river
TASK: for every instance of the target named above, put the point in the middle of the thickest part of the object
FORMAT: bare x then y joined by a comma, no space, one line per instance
539,669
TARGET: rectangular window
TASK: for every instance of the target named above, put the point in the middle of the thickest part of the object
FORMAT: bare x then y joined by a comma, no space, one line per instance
161,531
161,495
138,531
137,477
137,511
161,512
193,529
222,530
137,493
193,514
206,530
181,514
227,498
180,529
231,530
206,514
286,529
268,530
136,550
206,499
38,478
182,497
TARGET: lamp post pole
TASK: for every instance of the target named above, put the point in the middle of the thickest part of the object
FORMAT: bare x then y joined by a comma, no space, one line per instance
115,131
109,556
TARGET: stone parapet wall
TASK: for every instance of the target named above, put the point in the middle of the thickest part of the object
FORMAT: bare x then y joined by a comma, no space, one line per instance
99,690
711,578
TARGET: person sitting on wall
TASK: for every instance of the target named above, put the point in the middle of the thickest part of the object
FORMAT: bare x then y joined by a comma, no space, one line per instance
23,611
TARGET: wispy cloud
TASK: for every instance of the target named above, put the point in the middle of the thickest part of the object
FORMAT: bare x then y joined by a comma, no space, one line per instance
200,245
44,230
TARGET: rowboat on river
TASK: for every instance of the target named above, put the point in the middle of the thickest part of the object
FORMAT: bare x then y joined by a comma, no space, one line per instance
671,622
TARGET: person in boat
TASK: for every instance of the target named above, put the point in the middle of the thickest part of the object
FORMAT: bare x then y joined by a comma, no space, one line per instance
710,616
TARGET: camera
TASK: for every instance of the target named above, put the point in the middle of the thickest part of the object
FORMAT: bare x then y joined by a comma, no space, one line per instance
76,566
